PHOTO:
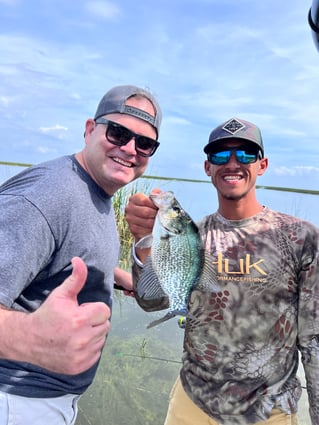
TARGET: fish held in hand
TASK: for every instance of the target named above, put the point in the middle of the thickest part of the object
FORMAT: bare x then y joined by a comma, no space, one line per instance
178,261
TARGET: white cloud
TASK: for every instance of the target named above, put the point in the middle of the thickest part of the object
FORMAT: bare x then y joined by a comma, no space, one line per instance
177,120
5,100
54,128
45,150
296,171
103,9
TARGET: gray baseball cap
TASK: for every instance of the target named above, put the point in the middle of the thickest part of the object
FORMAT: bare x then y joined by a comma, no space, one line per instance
114,101
235,128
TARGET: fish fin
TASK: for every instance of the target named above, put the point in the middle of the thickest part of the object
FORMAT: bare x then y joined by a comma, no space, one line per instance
148,286
208,278
161,320
145,242
167,316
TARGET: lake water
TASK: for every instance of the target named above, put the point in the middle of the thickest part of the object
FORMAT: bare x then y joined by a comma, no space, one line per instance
137,370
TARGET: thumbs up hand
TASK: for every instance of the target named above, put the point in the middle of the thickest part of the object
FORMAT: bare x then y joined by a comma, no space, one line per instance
66,337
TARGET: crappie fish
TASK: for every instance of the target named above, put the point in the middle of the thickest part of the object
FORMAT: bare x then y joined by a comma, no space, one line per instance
178,261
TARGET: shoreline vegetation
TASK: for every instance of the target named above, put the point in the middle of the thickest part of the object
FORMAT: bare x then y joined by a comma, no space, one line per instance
185,180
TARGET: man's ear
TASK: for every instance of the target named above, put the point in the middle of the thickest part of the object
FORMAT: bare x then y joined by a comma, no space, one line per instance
89,127
263,165
207,167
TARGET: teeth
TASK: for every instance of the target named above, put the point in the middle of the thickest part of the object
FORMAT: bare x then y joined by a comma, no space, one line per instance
232,178
120,161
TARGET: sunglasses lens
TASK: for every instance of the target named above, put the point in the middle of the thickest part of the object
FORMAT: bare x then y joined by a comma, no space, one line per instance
117,134
219,158
243,156
145,146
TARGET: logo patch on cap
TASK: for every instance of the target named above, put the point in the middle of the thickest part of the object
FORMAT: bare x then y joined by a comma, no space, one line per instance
233,126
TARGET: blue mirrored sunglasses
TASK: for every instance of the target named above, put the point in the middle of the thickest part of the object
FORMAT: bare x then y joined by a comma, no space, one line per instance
119,135
243,155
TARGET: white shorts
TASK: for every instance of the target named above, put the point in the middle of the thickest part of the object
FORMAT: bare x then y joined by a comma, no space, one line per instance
17,410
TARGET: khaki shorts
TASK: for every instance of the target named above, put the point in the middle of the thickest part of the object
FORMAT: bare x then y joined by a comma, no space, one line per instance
182,411
16,410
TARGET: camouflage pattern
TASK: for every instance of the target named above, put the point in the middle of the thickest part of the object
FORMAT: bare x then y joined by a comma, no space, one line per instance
241,344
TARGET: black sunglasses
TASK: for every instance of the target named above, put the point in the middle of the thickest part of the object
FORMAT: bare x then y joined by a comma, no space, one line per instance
119,135
243,155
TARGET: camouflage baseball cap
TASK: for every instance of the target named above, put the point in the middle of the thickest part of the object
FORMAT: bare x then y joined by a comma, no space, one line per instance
115,101
235,129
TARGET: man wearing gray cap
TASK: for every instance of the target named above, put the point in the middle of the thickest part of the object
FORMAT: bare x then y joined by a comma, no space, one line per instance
59,259
241,343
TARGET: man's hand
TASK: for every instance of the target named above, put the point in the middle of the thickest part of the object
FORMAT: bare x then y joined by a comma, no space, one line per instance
140,213
123,280
61,335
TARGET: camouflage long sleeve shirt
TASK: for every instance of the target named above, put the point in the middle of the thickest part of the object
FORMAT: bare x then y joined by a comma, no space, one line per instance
241,343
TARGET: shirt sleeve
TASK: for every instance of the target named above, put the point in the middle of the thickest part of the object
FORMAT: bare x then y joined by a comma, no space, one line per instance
308,320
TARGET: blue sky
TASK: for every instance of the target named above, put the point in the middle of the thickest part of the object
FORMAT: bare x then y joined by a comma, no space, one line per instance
205,60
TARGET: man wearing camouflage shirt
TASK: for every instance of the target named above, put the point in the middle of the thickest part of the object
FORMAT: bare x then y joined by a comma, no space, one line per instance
241,344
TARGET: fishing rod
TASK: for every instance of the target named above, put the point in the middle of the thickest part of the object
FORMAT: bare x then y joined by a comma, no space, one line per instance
141,356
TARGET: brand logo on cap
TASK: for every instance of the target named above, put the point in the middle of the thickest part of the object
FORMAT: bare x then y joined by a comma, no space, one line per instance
233,126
